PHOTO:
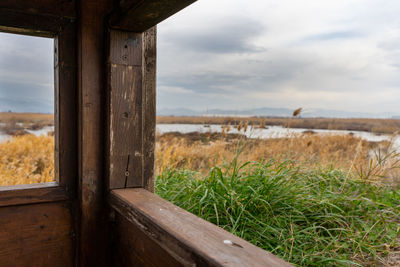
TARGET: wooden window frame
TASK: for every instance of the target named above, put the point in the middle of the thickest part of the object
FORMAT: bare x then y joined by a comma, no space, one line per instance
63,32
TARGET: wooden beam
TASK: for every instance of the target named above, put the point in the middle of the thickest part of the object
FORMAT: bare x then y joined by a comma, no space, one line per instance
37,17
186,238
93,235
56,8
131,115
31,193
31,24
66,109
149,106
141,15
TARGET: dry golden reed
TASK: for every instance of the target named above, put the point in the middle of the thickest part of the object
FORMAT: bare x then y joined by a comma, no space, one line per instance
29,159
201,152
26,160
297,112
17,123
26,117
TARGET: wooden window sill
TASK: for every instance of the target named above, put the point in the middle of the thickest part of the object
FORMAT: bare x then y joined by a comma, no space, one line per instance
31,194
186,237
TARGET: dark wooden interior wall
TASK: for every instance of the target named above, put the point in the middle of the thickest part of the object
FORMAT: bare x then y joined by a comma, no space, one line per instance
37,235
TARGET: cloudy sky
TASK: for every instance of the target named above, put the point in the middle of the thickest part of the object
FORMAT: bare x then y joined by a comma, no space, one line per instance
239,54
26,73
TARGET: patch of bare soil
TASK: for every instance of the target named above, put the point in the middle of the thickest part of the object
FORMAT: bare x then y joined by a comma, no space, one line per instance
393,259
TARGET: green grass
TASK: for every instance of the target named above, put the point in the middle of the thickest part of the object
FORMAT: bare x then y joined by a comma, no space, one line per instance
307,217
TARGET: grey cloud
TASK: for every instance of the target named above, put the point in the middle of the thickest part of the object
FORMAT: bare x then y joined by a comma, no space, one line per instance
392,45
192,101
332,36
203,83
25,105
25,97
232,35
392,49
24,55
267,74
26,73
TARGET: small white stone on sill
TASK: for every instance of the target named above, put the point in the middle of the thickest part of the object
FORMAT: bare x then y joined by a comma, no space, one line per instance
228,242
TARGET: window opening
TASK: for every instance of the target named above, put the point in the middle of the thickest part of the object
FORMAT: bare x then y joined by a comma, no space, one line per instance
26,109
279,121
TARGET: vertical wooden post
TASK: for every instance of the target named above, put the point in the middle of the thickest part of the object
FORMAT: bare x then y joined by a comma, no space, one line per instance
125,109
149,106
65,113
131,115
91,83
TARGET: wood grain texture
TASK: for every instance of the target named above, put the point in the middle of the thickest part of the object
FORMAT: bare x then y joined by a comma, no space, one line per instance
141,15
187,238
57,8
36,235
93,233
125,109
31,193
31,24
37,17
131,247
149,106
66,109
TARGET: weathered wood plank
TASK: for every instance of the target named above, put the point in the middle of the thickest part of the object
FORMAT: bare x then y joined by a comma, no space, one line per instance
131,247
91,85
31,24
187,238
58,8
31,193
65,109
141,15
149,106
36,235
125,48
125,109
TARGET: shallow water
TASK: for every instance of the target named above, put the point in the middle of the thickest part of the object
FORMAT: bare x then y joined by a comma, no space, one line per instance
268,132
44,131
273,132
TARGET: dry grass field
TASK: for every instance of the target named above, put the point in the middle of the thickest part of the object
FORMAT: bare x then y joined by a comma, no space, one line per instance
202,151
16,123
26,160
29,159
26,117
383,126
313,200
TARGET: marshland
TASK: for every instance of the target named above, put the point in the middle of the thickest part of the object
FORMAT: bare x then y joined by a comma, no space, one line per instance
313,198
378,126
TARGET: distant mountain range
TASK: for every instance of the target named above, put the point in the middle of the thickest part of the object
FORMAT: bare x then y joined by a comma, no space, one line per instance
274,112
